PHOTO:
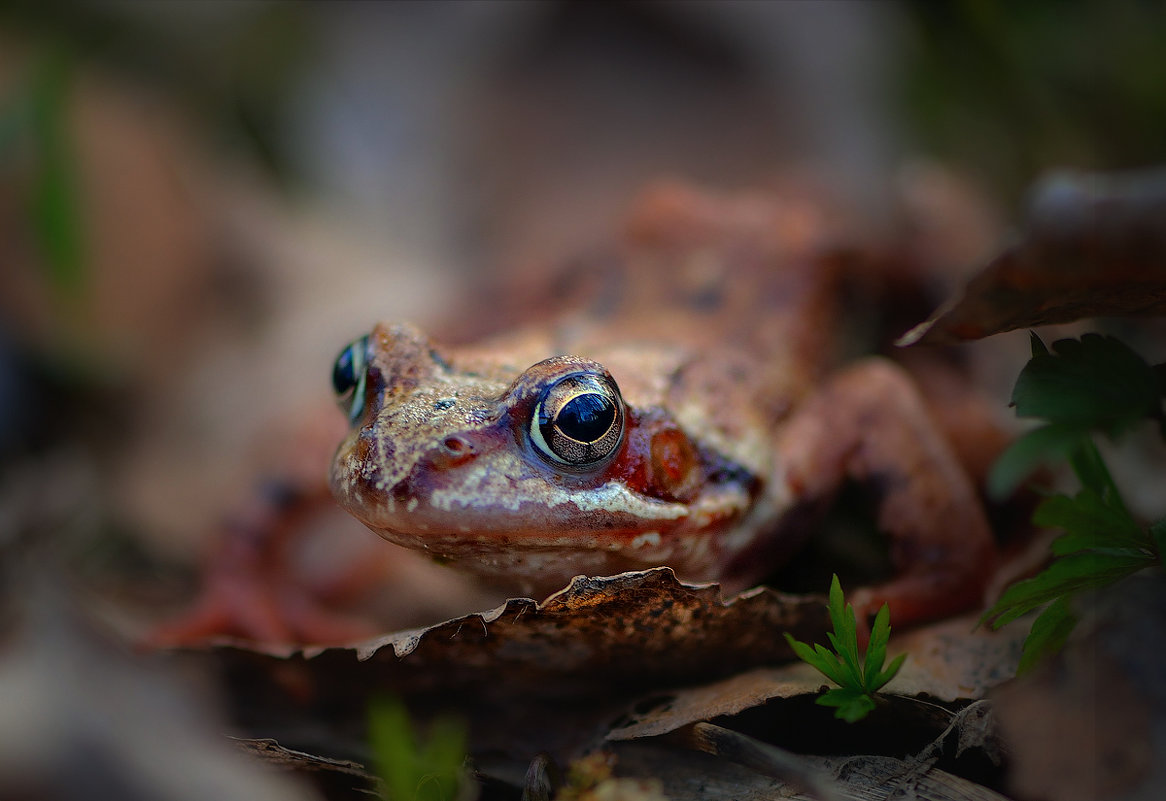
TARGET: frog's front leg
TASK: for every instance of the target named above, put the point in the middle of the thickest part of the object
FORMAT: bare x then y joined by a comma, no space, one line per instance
869,423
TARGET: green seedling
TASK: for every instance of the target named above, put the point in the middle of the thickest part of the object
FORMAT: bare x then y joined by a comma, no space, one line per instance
857,678
416,768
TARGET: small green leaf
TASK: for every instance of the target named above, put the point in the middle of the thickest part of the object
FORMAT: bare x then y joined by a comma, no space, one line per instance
852,705
1089,523
1048,634
393,747
818,658
1072,573
1074,543
876,649
1093,474
842,616
1045,445
875,683
847,659
807,654
1037,345
1158,535
836,607
832,666
55,202
1096,381
414,768
803,651
441,758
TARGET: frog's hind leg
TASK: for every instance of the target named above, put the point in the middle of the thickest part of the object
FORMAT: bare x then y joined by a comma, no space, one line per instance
869,424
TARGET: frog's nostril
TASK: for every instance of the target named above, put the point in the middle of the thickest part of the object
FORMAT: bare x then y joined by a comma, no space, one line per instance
457,450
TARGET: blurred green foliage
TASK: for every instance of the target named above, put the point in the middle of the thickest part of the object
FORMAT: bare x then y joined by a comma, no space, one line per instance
413,767
232,66
1011,89
1094,385
1007,89
37,152
55,205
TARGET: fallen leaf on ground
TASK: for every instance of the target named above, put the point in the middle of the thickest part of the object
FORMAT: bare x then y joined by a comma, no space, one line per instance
1094,246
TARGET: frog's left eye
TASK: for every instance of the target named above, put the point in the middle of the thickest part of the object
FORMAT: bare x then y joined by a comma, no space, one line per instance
578,421
348,378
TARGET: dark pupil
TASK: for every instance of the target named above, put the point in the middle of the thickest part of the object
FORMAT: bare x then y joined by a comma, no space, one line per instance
586,418
343,372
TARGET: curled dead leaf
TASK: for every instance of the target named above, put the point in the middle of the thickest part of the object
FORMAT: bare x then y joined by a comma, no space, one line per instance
1094,246
527,677
687,775
949,662
640,628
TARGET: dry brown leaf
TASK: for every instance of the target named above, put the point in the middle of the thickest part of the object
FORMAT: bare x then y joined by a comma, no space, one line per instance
275,754
527,677
725,697
642,627
1095,246
956,659
949,661
689,776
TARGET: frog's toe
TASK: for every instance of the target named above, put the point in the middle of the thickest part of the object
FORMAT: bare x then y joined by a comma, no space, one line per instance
261,614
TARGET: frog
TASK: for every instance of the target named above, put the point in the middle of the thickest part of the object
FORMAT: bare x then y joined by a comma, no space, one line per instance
687,411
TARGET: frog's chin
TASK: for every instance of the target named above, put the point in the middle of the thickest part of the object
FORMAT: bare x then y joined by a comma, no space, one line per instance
535,545
540,562
522,527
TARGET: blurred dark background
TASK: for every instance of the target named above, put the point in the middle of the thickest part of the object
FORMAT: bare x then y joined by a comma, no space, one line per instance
200,202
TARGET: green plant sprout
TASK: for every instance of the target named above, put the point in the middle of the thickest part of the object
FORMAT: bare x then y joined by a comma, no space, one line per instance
1095,384
857,678
35,122
412,768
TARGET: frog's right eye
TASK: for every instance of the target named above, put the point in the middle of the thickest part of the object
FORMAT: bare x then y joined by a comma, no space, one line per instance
578,421
348,378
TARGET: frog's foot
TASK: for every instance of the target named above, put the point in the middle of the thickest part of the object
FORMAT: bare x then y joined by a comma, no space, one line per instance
263,608
915,598
251,589
870,424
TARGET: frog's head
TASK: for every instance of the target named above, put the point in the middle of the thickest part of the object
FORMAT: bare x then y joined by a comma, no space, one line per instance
540,475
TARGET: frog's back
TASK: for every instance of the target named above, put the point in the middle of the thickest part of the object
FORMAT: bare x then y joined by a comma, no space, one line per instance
745,284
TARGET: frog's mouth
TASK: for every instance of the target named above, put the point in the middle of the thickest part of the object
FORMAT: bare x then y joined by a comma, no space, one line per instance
541,548
489,504
482,507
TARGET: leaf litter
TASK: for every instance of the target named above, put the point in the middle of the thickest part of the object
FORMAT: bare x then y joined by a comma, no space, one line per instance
602,663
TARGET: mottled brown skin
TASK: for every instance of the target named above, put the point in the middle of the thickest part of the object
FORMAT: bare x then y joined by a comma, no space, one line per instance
716,327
